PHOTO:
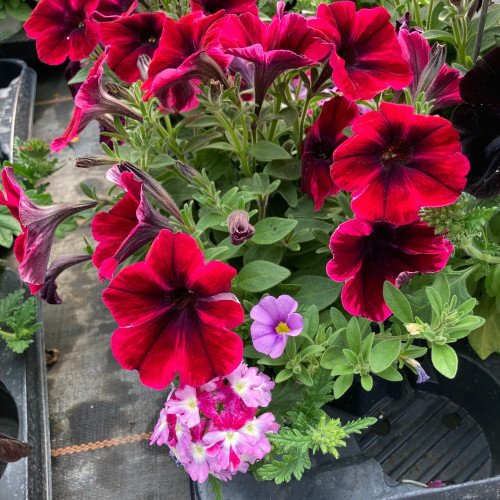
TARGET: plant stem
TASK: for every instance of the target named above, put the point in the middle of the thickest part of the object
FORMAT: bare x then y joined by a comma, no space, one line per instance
471,250
480,29
429,15
302,122
416,8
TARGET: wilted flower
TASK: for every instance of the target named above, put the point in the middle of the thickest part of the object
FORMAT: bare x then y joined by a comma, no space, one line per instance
49,290
32,248
275,320
92,103
367,254
397,162
175,314
422,376
240,228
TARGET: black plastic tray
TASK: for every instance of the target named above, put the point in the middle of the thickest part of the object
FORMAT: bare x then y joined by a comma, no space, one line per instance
24,411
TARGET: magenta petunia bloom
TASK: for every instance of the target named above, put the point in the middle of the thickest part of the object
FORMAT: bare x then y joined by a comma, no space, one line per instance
175,314
367,254
109,10
189,52
128,226
366,57
92,103
321,140
128,38
274,321
430,73
63,28
230,6
32,248
272,48
397,162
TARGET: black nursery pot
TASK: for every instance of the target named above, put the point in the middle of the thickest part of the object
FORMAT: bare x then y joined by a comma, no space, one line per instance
447,430
24,412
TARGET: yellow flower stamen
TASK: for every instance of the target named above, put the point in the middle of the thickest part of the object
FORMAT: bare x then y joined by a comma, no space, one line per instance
282,328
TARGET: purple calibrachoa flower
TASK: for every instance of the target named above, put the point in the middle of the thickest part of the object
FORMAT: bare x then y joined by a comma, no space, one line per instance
275,320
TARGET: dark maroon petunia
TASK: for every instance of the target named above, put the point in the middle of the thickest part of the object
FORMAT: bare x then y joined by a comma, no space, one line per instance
128,38
397,162
430,73
92,103
189,52
32,248
272,48
366,57
175,314
367,254
128,226
478,122
63,28
230,6
109,10
317,148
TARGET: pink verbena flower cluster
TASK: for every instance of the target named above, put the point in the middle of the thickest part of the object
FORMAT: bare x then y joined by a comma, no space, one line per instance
212,429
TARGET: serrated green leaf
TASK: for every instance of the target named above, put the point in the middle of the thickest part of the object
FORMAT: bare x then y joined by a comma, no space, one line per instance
356,426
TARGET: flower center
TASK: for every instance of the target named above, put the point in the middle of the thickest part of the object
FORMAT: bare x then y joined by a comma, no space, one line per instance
182,299
396,153
230,436
212,6
198,450
323,151
349,53
282,328
192,404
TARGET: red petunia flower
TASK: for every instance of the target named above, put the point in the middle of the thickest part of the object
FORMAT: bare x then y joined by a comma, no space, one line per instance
272,48
397,162
63,28
128,38
92,103
127,227
109,10
430,73
367,254
32,248
175,314
321,140
366,57
189,52
230,6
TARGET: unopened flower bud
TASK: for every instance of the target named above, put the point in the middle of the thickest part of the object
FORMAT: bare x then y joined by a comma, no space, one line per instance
239,227
215,90
94,161
186,170
119,91
437,57
414,328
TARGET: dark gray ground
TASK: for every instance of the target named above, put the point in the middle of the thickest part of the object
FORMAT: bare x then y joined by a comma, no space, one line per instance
91,398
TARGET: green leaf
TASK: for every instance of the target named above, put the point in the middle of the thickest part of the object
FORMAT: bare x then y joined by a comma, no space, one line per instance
341,385
338,319
312,317
215,487
486,339
9,227
342,369
435,300
356,426
354,335
367,382
269,253
397,303
211,220
291,464
286,395
268,151
492,282
384,354
332,357
260,275
350,356
439,35
304,377
287,170
272,229
444,359
283,375
367,346
390,374
81,75
289,440
442,287
317,290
